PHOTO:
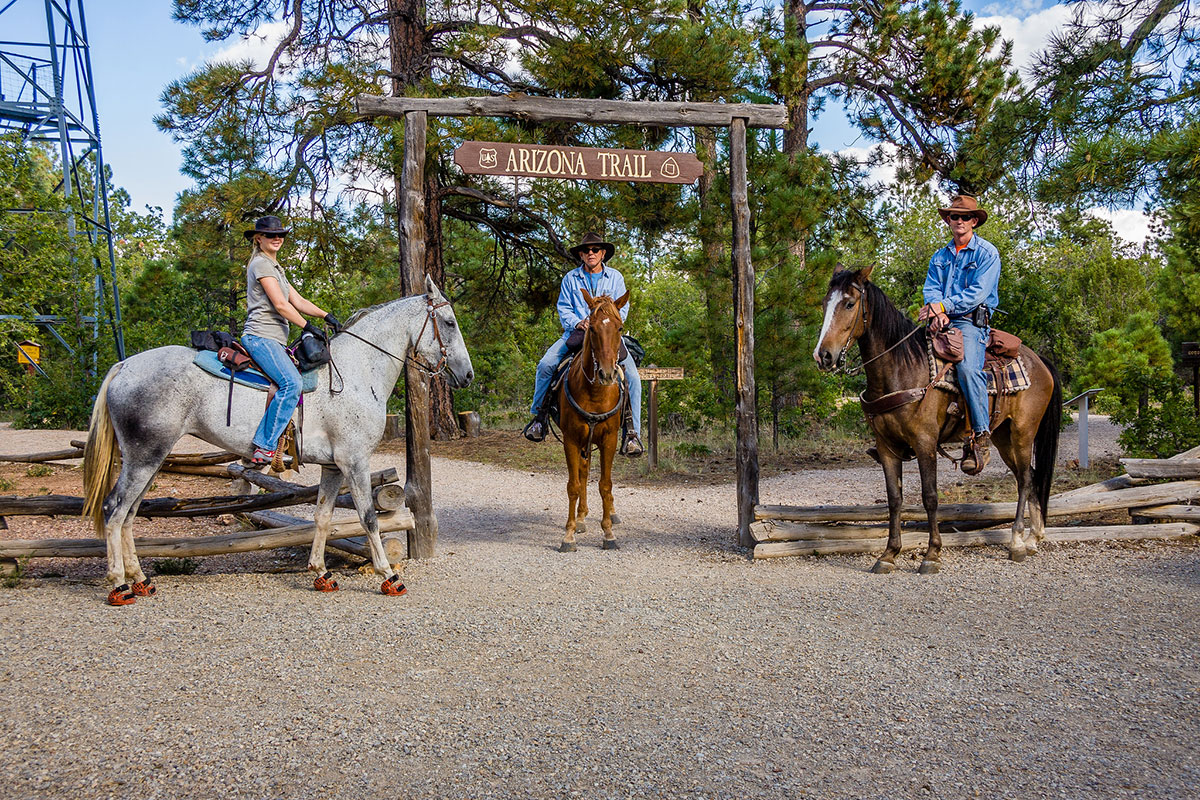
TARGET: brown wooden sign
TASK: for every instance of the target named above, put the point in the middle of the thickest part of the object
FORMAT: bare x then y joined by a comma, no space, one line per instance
577,163
661,373
1191,354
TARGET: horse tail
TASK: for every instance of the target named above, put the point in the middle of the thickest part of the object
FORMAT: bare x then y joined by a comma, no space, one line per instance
99,456
1045,444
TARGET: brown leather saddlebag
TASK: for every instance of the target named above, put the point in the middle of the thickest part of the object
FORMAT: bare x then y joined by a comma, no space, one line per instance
948,345
1004,344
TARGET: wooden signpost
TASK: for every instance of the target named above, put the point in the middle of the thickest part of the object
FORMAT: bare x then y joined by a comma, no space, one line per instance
654,375
579,163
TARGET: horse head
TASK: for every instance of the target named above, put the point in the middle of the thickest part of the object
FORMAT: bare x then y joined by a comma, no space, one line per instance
604,335
845,317
445,346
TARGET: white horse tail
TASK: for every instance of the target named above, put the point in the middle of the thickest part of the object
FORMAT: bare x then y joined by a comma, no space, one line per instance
100,456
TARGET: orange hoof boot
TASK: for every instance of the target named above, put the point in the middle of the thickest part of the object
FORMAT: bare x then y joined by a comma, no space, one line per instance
144,589
392,587
121,596
325,583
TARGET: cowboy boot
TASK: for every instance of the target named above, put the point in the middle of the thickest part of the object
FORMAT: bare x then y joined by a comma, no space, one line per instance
535,431
976,453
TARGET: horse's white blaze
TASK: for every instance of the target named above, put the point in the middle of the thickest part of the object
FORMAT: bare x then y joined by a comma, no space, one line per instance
605,321
831,303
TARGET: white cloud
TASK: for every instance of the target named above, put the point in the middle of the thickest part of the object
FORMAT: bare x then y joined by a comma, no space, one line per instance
256,47
1028,34
1131,224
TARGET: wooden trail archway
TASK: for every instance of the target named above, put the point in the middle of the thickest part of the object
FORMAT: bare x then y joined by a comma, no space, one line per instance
735,116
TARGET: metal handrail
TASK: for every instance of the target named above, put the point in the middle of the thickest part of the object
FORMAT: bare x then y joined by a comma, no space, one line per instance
1084,397
1090,393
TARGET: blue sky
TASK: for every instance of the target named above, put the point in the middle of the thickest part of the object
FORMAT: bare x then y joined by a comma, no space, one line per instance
137,49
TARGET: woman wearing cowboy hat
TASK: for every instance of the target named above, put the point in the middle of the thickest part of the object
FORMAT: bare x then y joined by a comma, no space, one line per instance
594,275
962,290
272,305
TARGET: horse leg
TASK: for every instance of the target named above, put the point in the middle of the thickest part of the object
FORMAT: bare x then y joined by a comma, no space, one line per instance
359,479
141,586
893,474
927,463
119,506
331,481
585,468
573,459
1018,456
608,451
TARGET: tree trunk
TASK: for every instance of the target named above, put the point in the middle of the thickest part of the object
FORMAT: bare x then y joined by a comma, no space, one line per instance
443,422
714,271
795,96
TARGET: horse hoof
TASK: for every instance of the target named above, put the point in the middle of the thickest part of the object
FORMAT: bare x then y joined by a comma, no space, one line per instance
144,589
392,587
567,547
121,596
325,583
883,567
580,526
1016,555
610,544
615,519
930,567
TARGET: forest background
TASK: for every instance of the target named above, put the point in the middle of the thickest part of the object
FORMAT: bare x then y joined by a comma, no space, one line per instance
1107,114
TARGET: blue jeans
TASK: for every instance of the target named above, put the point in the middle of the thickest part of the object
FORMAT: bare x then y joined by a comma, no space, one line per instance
970,373
274,361
549,362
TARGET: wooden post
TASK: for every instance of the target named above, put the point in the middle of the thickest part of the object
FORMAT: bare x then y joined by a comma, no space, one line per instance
743,304
418,490
653,424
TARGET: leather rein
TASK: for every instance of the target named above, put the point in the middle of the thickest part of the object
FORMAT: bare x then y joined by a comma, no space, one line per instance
416,361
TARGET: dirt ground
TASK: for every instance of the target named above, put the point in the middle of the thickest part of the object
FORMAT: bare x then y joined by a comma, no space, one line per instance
673,667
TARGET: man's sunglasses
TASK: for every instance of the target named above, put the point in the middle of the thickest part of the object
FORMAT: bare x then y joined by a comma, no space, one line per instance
961,217
593,249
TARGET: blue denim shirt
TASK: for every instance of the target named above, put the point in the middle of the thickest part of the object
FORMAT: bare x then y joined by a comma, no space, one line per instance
964,279
572,308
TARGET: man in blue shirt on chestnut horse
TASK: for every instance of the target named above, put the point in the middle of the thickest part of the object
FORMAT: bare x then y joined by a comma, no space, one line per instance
962,291
573,312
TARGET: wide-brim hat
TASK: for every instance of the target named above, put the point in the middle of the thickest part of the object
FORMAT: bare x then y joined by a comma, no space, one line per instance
268,224
593,239
964,204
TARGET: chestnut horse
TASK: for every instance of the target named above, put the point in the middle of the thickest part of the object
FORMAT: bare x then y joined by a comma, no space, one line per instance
1024,425
590,402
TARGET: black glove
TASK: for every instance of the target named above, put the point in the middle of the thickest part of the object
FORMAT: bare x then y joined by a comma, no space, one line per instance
333,324
315,331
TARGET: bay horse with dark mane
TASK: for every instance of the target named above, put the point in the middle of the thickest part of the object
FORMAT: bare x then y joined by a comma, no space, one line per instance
590,402
909,418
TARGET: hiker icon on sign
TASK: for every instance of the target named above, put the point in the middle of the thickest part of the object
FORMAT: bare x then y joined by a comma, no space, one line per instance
670,168
487,158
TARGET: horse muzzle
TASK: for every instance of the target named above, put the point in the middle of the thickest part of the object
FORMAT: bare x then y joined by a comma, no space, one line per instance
826,359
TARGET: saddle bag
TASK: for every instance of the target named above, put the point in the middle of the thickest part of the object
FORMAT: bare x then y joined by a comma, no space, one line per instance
636,351
948,345
1003,344
310,352
235,357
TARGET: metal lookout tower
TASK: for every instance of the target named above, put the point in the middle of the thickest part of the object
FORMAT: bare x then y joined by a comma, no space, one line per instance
47,94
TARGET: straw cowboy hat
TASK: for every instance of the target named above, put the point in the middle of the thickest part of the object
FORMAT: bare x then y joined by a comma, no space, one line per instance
592,239
965,204
268,224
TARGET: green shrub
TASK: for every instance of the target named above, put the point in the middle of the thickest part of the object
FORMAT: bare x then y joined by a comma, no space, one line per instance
175,566
1165,428
61,400
39,470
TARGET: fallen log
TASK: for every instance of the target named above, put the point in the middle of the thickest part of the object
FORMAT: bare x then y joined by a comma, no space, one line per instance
1110,485
787,531
396,548
911,541
37,458
386,493
207,470
1178,491
54,505
240,542
189,459
1162,467
1166,513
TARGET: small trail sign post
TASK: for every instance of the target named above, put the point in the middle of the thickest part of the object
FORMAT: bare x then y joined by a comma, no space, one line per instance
654,375
1191,358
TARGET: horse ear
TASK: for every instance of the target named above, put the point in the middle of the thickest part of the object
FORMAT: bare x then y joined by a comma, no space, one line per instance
587,296
838,268
865,272
622,300
431,289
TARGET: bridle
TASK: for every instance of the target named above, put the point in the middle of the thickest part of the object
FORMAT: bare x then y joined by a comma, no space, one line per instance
411,357
595,361
861,326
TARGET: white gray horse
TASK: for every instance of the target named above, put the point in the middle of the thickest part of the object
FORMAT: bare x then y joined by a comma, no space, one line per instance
150,400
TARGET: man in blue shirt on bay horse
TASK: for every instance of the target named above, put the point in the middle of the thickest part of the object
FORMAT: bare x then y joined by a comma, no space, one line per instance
598,278
962,290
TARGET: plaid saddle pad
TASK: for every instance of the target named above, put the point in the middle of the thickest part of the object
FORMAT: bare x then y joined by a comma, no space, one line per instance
1004,375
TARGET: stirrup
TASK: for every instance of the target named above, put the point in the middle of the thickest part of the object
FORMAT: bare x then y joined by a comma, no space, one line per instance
535,436
632,446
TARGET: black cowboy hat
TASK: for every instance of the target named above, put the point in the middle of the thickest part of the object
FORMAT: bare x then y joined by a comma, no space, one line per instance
592,239
965,204
268,224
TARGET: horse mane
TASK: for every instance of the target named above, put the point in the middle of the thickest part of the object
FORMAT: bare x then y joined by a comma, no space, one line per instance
887,320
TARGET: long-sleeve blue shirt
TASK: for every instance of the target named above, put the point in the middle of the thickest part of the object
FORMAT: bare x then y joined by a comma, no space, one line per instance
572,308
963,280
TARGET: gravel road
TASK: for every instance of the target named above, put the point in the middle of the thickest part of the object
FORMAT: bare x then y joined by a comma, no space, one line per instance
673,667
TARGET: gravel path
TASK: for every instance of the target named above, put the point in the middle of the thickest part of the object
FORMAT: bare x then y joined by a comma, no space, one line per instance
674,667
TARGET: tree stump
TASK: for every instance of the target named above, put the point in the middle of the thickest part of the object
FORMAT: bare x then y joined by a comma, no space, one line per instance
469,422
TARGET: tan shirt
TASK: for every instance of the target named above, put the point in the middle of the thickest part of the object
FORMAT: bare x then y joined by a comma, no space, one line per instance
261,317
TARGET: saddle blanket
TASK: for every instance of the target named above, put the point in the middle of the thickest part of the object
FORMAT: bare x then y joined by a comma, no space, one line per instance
207,361
1004,375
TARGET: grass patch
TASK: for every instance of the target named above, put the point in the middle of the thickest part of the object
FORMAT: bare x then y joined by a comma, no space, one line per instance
15,572
175,566
39,470
6,485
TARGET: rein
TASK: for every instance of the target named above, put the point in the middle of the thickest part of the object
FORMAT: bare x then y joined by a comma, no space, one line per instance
862,305
592,418
436,369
